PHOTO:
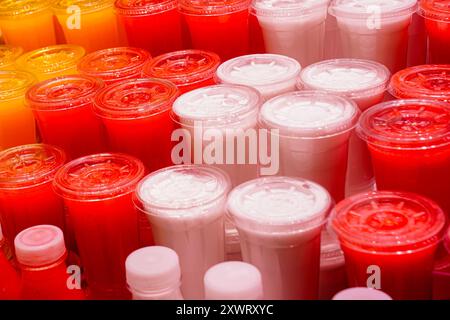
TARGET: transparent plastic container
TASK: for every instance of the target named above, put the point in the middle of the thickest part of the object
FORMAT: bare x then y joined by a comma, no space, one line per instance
8,56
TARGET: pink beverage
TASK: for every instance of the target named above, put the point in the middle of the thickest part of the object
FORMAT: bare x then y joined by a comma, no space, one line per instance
418,42
375,29
97,192
293,28
333,46
186,207
232,242
9,278
153,273
361,293
279,221
233,280
270,74
365,83
383,234
314,130
441,272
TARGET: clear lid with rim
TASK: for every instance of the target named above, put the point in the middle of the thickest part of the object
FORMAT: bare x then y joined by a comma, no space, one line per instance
144,7
9,55
63,93
388,222
361,293
438,10
11,9
422,82
86,6
214,7
406,124
99,177
362,9
14,84
309,114
183,67
279,205
289,8
29,165
352,78
331,253
39,246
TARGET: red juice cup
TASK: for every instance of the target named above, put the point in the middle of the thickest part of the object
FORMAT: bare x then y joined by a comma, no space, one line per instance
409,143
9,278
114,64
63,110
187,69
97,192
390,237
441,272
144,21
227,32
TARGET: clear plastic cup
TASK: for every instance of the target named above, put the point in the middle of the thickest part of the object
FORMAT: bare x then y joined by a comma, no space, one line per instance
186,207
8,56
418,41
361,293
441,272
293,28
279,220
270,74
383,234
9,277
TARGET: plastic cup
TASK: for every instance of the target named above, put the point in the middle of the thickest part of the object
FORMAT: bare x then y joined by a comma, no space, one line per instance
27,23
187,69
186,206
441,272
361,293
293,28
410,147
114,64
63,110
314,129
383,234
375,29
418,41
270,74
154,25
227,21
279,220
8,56
9,277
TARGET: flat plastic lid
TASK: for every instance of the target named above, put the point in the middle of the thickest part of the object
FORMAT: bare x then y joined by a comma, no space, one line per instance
115,63
39,245
153,270
9,8
422,82
51,59
388,221
351,77
214,7
438,10
309,114
331,253
287,8
99,177
406,124
8,55
233,280
361,293
29,165
279,204
63,92
14,84
361,9
144,7
86,6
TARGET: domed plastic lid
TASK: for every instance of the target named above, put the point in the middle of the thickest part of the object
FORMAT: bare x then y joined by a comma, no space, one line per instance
13,84
153,270
351,77
138,98
144,7
99,177
388,221
290,8
361,293
51,59
39,245
361,9
233,280
331,253
86,6
64,92
114,64
10,8
279,204
406,124
183,67
422,82
8,55
214,7
29,165
309,114
438,10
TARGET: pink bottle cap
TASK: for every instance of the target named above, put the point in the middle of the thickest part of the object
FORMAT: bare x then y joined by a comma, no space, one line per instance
331,254
99,177
438,10
9,55
422,82
406,124
39,245
153,270
388,222
144,7
292,8
215,7
86,6
114,64
278,204
14,84
362,9
184,67
29,165
135,98
233,280
361,293
309,114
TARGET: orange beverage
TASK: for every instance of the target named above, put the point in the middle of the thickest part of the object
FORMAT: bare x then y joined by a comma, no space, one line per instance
8,56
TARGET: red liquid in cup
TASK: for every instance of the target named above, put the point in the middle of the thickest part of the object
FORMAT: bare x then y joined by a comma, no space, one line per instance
9,279
441,273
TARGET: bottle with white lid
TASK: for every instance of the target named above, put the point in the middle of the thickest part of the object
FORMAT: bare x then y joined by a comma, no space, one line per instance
153,273
280,221
361,293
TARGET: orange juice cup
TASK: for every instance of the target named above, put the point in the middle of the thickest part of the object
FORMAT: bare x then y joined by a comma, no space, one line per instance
8,56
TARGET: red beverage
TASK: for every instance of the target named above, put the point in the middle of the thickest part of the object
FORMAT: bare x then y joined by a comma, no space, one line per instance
154,25
220,26
9,279
97,192
187,69
389,241
63,110
441,272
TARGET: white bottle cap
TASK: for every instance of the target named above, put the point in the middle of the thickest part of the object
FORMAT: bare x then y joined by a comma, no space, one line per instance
361,293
